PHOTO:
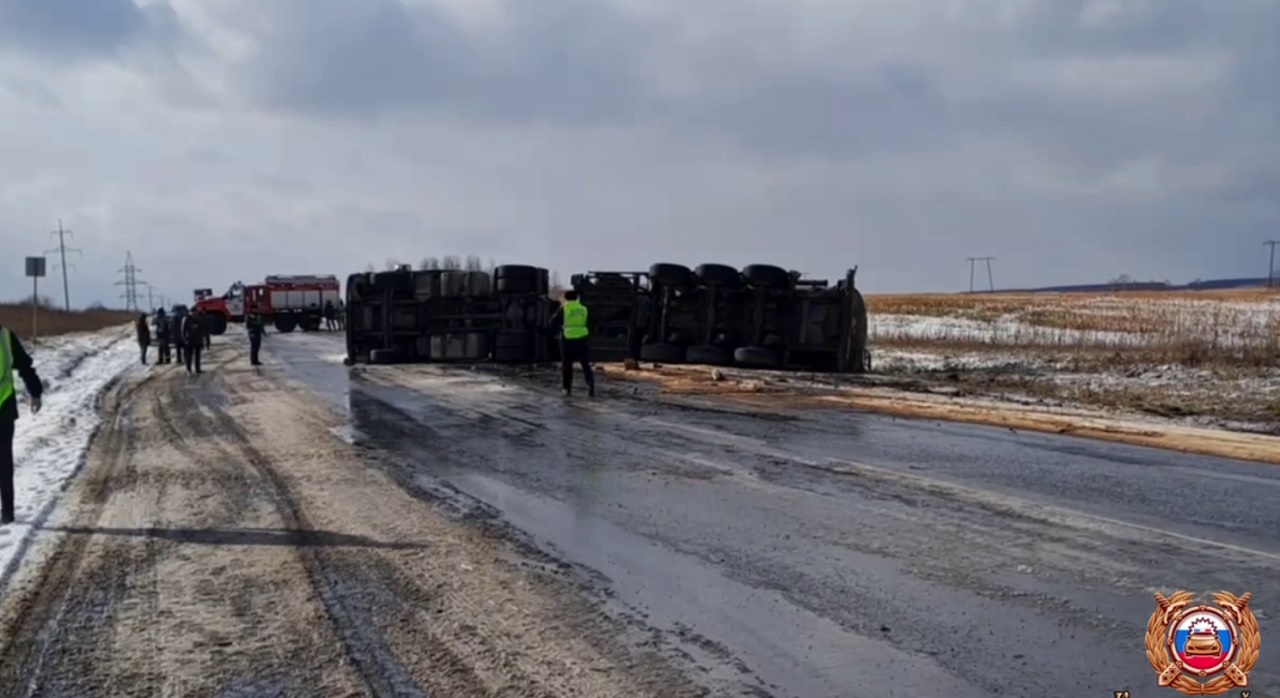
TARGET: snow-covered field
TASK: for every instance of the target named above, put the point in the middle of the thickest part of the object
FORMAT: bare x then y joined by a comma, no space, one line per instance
49,447
1214,356
1075,321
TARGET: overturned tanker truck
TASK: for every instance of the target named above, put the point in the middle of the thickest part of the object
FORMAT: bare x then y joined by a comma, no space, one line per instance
761,316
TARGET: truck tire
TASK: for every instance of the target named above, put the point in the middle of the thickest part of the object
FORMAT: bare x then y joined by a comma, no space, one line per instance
757,357
517,279
709,355
383,356
766,276
671,274
400,283
718,275
285,324
662,353
218,324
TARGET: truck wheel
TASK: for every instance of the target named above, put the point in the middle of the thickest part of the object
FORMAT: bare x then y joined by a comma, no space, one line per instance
709,355
517,279
383,356
718,275
671,274
766,276
757,357
218,324
285,324
662,353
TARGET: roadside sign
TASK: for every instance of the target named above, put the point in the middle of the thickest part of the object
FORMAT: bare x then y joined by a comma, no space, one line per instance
35,270
35,267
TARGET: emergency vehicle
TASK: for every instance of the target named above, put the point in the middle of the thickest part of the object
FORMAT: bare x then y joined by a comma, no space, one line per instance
287,302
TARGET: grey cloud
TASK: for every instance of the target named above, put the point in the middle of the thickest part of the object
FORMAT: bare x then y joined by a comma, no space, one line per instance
575,62
75,29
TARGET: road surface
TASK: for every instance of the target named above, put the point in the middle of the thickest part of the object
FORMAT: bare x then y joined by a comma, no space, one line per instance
316,530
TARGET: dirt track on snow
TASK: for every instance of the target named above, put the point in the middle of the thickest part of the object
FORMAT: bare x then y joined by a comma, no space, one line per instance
221,541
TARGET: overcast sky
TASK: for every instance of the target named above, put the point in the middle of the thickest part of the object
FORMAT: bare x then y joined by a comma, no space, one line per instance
226,139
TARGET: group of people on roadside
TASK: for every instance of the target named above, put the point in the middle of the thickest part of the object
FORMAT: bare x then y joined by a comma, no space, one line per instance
181,331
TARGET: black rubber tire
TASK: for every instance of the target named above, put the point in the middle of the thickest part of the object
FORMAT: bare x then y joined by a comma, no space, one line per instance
217,324
709,355
513,355
399,282
516,279
766,276
285,324
383,356
718,275
757,357
662,353
671,275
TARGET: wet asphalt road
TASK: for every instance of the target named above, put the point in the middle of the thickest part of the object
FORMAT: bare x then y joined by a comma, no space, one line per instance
832,553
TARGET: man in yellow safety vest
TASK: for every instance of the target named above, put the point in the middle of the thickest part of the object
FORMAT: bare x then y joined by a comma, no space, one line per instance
13,357
574,339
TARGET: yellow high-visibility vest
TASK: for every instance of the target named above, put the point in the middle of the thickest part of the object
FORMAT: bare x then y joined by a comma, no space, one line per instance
6,367
575,320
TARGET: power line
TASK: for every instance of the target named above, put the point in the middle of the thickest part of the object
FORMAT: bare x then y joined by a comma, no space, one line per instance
62,251
990,279
130,282
1271,266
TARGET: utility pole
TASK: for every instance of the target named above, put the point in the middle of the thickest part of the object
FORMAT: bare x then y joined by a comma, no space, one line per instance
1271,266
990,279
130,282
62,251
151,300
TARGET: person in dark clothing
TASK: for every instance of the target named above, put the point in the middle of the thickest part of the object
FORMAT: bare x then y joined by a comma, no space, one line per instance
175,329
206,327
144,336
163,334
256,328
193,341
13,357
574,342
330,316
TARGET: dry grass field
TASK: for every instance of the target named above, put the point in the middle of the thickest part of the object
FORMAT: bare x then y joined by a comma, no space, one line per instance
1208,355
55,321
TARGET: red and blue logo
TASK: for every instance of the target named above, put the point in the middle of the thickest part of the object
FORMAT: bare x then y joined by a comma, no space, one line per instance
1203,641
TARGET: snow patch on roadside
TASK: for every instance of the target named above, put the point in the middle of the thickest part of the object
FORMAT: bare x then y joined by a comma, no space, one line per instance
50,447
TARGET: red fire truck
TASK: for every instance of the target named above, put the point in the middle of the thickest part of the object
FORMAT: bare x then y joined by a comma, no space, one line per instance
285,301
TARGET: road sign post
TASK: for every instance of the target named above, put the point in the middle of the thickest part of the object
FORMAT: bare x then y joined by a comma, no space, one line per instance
35,270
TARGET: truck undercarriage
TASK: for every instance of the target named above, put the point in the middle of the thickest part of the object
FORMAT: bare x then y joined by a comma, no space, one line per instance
761,316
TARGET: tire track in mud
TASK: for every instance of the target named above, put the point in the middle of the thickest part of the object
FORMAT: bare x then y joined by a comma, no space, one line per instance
36,653
346,602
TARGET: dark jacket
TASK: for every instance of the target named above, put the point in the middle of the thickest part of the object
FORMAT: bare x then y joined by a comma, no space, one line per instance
193,329
254,324
144,332
26,369
163,329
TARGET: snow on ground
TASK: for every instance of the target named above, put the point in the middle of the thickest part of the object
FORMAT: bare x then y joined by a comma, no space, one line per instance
50,447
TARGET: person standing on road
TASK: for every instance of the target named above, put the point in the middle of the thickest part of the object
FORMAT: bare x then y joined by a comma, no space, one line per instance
574,338
206,327
175,328
144,336
330,316
163,355
13,357
256,327
193,338
342,314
